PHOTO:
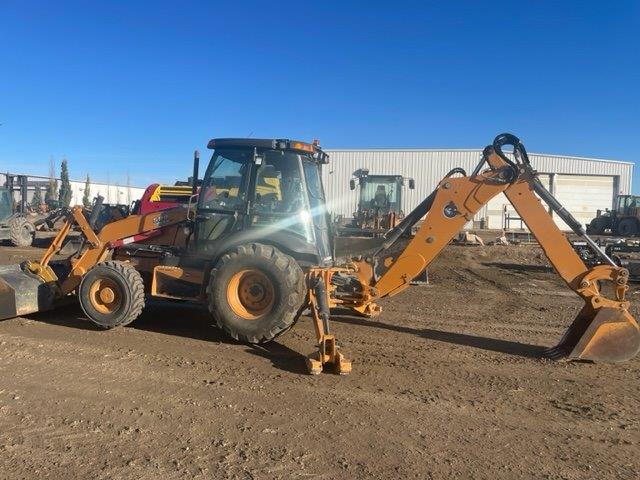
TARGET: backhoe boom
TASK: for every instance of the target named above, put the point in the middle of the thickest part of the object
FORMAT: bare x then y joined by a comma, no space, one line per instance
603,330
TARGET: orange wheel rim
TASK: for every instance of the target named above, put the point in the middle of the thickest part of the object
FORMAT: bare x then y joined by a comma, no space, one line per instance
105,296
250,294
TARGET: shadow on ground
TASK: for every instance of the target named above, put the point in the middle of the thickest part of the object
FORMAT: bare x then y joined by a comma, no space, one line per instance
519,267
180,319
483,343
195,323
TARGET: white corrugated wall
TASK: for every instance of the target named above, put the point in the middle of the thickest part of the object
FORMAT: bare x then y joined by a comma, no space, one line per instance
115,194
428,167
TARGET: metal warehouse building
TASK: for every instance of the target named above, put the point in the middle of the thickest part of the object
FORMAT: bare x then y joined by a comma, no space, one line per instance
582,185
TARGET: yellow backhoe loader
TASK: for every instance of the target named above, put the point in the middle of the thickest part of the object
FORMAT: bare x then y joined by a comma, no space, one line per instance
259,260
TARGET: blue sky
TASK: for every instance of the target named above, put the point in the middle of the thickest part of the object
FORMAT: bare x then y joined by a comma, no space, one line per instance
137,86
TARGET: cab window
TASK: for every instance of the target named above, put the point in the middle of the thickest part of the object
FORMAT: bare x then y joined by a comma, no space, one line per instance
223,187
279,186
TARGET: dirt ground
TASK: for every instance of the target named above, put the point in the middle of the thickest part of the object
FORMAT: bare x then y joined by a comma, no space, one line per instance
447,383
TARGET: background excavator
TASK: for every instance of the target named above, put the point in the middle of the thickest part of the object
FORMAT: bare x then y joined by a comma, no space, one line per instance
258,260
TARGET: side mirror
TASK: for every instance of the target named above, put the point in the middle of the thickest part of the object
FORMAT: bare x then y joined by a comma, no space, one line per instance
352,184
412,184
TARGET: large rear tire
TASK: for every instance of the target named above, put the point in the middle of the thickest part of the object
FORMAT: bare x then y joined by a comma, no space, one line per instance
21,232
255,292
112,294
628,227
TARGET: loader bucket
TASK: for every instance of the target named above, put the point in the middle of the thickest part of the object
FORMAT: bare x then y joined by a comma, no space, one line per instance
22,293
603,335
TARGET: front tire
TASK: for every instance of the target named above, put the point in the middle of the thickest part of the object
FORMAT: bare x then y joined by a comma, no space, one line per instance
598,225
255,292
628,227
21,232
112,294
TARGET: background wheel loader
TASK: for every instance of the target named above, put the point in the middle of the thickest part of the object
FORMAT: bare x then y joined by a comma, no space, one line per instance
623,219
380,203
259,256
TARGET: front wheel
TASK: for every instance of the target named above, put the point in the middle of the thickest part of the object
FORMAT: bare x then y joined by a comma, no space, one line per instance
112,294
598,225
255,292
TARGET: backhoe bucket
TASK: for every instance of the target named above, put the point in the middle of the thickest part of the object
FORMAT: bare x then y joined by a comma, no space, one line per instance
22,293
603,335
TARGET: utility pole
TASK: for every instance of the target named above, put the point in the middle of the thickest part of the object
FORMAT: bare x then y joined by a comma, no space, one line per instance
128,188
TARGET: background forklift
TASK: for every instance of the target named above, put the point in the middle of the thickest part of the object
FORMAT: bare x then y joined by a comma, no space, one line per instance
380,203
259,260
623,219
18,223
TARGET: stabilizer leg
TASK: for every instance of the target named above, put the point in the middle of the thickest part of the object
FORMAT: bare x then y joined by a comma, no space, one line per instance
327,356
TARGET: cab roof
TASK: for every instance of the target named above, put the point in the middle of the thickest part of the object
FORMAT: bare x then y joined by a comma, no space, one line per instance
271,144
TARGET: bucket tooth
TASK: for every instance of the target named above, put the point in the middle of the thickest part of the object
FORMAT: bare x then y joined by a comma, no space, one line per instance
603,335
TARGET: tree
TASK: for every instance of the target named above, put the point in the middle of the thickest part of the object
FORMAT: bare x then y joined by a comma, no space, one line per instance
86,197
36,201
50,195
65,185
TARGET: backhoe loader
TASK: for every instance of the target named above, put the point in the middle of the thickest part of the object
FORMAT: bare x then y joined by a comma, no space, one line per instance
259,260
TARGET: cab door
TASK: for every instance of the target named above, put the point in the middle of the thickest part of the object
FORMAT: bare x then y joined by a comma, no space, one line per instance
222,202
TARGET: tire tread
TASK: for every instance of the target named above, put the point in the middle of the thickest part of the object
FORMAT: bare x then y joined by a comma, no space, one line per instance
294,278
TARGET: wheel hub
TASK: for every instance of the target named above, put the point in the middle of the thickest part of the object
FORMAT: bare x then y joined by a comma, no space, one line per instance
105,296
250,294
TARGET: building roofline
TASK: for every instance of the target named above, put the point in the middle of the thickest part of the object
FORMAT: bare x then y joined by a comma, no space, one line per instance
45,177
478,150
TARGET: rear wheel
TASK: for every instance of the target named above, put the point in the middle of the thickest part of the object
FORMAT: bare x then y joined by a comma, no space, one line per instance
628,227
21,232
255,292
112,294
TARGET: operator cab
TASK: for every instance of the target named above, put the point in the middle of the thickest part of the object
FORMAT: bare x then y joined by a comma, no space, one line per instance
627,204
6,204
379,192
264,190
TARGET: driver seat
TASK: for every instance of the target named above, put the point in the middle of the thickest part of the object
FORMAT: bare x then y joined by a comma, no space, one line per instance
380,199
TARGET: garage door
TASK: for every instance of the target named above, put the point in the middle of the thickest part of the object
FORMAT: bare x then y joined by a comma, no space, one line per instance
499,209
582,195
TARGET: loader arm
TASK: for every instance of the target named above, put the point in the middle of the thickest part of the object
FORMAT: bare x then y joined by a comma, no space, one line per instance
34,286
126,230
603,330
